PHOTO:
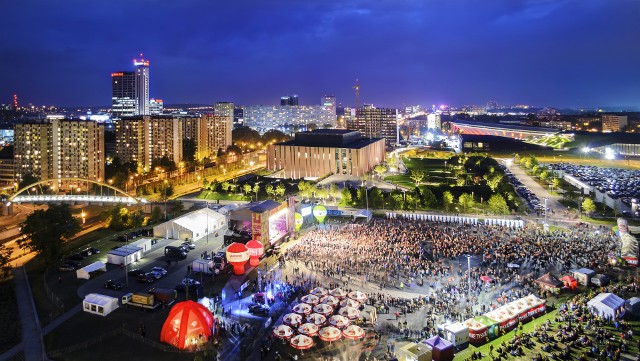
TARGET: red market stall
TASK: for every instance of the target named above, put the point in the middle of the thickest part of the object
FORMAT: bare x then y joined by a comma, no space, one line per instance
569,282
505,318
189,324
538,305
521,308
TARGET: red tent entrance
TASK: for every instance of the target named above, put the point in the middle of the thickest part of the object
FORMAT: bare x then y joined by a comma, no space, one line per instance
189,324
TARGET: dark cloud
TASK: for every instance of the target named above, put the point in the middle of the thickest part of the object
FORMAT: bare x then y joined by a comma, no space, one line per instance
545,52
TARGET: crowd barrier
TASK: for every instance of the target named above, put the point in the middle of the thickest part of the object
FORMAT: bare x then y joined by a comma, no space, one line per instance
512,223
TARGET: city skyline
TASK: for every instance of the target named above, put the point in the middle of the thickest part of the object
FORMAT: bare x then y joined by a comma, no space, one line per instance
543,53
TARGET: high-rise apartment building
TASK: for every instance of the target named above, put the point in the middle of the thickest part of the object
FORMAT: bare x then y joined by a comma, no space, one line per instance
145,139
329,103
60,148
210,133
265,117
123,93
377,123
613,123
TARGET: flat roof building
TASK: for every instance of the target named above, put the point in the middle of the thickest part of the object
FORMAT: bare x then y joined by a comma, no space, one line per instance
320,152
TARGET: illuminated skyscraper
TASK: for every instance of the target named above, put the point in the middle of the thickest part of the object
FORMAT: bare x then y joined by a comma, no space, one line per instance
142,85
130,90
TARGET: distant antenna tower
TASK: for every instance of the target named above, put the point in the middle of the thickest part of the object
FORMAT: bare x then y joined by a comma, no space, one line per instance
15,101
357,90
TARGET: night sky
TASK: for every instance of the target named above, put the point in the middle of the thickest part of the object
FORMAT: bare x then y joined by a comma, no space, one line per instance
538,52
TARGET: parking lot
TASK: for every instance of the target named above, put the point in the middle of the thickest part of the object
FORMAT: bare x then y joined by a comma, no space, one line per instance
617,183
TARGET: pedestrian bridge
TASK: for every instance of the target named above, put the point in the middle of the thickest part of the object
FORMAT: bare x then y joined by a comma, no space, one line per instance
73,190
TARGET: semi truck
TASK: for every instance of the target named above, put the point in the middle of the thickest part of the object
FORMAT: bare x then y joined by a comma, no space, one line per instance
165,296
146,301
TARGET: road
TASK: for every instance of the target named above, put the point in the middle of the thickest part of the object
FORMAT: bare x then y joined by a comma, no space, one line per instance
553,201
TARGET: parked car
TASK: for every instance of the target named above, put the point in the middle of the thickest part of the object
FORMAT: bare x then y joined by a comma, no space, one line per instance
259,309
113,285
66,268
86,252
189,245
160,270
184,248
156,275
136,272
145,278
94,250
190,281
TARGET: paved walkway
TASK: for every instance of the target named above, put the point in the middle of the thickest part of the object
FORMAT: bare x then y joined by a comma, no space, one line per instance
553,201
32,344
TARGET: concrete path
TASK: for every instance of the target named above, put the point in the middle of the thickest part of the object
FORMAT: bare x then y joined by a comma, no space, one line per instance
32,343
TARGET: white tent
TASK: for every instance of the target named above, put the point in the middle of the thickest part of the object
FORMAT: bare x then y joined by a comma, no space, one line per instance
124,255
457,333
194,225
85,272
607,305
99,304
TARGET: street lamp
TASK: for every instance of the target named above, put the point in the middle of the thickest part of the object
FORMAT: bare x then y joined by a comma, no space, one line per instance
84,215
469,270
165,199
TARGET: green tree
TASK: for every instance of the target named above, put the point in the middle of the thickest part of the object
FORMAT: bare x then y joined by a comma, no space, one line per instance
346,199
428,198
44,230
375,197
247,188
274,136
256,189
280,190
417,176
361,195
544,175
269,189
379,170
398,200
225,186
5,260
588,206
493,181
156,215
305,189
334,191
498,205
412,201
466,201
447,200
555,183
214,185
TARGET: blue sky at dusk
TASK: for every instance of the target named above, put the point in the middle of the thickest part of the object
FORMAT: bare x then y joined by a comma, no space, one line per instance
561,53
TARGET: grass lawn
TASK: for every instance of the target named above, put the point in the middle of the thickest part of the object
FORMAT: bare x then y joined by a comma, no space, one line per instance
221,196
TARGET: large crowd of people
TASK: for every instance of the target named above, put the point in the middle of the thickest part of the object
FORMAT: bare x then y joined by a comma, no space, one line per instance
388,255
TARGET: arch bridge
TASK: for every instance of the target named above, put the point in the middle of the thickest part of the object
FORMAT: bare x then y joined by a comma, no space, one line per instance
72,190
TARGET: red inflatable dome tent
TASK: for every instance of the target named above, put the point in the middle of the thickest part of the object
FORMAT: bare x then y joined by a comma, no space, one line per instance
188,324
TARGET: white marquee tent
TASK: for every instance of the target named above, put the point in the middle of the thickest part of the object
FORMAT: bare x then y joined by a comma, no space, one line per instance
194,226
85,272
99,304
